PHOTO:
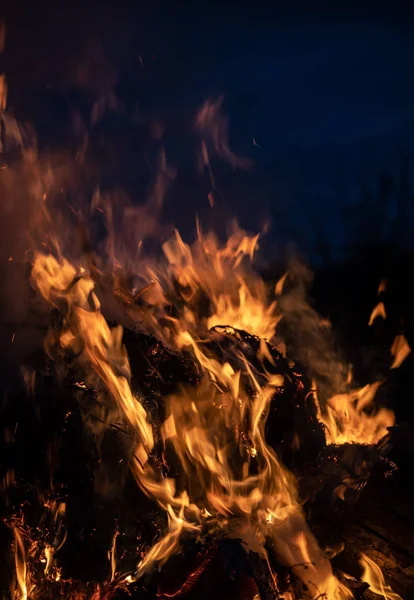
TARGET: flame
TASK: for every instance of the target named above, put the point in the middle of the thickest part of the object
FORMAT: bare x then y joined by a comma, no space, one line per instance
230,479
382,286
237,296
373,575
347,419
400,350
213,128
379,311
299,549
351,417
103,350
207,427
23,580
49,558
112,556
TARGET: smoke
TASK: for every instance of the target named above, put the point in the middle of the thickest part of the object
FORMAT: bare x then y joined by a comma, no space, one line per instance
307,335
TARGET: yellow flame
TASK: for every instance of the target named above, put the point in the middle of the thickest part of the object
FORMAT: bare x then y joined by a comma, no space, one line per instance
237,296
373,575
21,566
49,558
347,421
112,556
217,429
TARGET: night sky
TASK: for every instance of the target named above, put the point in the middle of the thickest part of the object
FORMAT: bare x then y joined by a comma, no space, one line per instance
327,93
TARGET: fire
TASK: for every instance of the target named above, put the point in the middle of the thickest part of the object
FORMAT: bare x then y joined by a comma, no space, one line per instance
230,479
237,296
213,127
372,574
203,424
352,417
379,311
347,420
23,585
400,350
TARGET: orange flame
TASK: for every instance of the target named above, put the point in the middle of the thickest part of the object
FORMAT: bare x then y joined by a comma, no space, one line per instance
379,311
213,127
23,580
373,575
203,425
400,350
347,420
232,478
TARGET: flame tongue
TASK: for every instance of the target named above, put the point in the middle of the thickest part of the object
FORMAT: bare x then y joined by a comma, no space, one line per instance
21,565
372,574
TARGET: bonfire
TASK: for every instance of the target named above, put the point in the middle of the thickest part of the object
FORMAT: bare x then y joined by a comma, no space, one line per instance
168,443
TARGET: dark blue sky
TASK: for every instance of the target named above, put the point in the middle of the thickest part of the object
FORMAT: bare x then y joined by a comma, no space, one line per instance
329,100
320,83
326,91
